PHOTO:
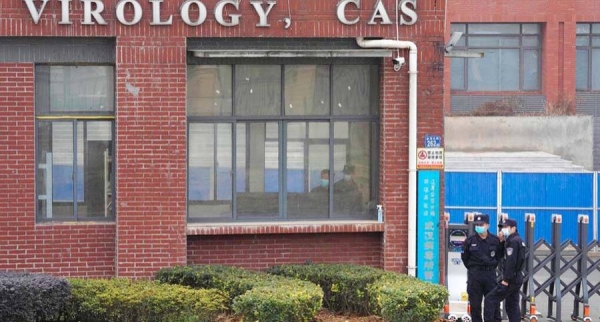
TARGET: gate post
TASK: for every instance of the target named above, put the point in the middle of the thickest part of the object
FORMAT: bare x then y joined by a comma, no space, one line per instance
555,288
529,285
582,286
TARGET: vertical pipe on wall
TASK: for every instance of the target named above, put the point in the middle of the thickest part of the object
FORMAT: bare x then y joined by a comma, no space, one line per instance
412,138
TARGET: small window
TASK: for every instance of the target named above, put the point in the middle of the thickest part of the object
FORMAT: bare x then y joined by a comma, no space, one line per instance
588,57
75,145
511,61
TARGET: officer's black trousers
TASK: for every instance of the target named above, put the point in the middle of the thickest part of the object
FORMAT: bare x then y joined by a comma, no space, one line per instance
480,283
497,295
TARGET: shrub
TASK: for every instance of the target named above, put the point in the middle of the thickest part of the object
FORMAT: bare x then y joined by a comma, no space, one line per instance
344,285
503,107
280,300
254,295
32,297
148,301
233,280
400,298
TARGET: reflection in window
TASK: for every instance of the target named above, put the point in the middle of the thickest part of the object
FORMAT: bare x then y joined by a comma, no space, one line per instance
280,165
511,61
209,90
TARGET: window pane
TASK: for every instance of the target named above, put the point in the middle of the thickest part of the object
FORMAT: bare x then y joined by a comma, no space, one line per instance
355,89
94,169
583,28
209,90
581,74
596,41
458,27
306,90
353,196
494,29
457,72
209,171
258,89
308,174
531,41
74,89
55,170
259,198
490,41
531,28
531,74
595,69
583,41
498,70
596,28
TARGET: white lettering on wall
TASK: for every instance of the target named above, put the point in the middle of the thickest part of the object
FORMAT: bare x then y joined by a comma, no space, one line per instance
34,12
156,15
226,12
380,13
235,18
65,19
409,12
341,11
137,12
88,13
262,14
185,13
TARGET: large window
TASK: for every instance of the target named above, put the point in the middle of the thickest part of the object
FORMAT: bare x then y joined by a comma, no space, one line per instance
511,61
282,142
588,56
74,117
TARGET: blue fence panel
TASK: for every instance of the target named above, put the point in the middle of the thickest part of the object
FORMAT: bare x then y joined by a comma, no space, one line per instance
470,192
543,223
548,190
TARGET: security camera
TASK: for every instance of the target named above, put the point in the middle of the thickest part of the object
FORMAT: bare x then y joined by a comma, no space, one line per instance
454,38
398,62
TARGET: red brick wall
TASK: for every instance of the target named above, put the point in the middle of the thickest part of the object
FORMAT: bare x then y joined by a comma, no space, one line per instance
558,19
59,249
151,133
263,251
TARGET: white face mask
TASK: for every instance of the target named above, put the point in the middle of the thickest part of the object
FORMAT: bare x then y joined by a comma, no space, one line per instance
347,177
506,232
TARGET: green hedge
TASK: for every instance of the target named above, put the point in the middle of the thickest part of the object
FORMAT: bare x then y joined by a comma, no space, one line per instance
125,300
28,297
344,285
280,299
254,295
401,298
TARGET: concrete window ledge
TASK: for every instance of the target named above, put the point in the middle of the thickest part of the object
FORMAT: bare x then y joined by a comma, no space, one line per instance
289,227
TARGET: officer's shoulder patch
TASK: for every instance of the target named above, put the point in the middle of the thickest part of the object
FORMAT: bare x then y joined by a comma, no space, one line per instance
509,251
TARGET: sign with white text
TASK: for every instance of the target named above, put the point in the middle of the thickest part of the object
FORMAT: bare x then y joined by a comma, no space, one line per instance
428,230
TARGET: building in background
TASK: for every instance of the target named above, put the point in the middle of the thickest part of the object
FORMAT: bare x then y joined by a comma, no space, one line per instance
143,134
537,85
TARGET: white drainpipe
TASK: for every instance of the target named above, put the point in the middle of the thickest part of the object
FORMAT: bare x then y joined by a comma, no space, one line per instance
412,138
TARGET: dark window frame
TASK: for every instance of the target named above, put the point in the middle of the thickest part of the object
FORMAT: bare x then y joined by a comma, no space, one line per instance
76,118
589,48
464,45
282,121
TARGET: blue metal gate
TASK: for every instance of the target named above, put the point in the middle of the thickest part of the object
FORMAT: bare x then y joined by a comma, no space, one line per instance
517,193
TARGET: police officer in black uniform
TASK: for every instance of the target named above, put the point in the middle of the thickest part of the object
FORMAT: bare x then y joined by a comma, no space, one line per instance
512,277
481,254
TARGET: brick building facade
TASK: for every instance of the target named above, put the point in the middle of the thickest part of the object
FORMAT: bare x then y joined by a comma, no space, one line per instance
101,91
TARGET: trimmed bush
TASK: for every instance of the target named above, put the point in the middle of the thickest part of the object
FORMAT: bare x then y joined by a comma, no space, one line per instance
254,295
28,297
400,298
233,280
148,301
344,285
280,300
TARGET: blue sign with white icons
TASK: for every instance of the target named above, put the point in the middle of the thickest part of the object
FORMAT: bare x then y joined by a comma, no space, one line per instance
433,141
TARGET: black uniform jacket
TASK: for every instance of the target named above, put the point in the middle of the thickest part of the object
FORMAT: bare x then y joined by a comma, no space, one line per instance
479,253
515,255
